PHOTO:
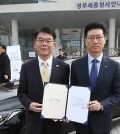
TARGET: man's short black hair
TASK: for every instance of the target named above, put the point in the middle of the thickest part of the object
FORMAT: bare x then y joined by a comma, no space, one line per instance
95,25
62,49
3,46
45,30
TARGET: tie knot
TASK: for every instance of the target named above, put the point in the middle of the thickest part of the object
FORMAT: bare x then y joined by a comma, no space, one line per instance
94,61
45,64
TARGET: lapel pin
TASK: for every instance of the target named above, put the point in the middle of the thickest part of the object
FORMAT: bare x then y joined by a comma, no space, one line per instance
57,65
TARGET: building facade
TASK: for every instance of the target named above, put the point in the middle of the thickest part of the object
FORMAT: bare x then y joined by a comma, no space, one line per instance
20,19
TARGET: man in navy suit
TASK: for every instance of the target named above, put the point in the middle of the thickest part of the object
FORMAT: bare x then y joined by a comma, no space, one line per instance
106,91
30,90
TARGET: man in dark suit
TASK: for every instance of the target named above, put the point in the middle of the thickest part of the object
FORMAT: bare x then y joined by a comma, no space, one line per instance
61,54
5,72
106,91
30,90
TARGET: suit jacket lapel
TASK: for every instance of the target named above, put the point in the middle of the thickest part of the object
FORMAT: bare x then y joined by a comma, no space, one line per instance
36,70
103,70
85,70
55,66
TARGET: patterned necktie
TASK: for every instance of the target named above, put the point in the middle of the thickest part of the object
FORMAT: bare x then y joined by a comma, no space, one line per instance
93,74
45,72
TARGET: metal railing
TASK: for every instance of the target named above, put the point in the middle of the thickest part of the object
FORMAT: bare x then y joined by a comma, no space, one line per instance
71,53
81,52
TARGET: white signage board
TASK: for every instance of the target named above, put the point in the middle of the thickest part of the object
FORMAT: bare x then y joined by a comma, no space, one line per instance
98,4
14,54
31,54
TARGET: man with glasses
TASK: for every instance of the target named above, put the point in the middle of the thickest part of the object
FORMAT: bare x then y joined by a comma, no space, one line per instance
32,78
102,75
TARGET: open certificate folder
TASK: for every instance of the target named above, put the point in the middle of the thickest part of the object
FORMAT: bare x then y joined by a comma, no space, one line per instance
61,101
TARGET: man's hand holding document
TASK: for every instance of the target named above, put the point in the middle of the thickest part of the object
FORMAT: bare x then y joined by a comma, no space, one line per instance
65,102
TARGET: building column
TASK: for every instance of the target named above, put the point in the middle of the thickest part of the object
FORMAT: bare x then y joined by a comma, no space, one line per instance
14,26
82,42
111,47
117,42
57,43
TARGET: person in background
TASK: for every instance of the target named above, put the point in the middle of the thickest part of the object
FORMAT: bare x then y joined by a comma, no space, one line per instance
65,53
61,54
5,71
31,83
105,91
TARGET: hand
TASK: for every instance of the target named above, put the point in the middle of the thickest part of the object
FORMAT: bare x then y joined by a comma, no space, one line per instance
36,107
55,120
94,105
6,77
65,120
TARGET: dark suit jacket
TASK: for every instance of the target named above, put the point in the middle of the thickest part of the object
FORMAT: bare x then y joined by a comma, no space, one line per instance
106,90
4,67
31,89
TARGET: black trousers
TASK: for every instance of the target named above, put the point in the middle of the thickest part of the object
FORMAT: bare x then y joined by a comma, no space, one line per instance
84,129
51,127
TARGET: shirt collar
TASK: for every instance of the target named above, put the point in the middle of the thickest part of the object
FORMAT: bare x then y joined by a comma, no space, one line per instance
90,58
49,61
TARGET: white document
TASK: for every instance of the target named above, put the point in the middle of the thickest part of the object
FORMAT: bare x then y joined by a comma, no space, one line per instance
57,98
78,99
54,101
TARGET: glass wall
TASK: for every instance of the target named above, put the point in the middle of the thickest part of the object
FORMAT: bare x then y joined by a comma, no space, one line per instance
72,47
26,43
71,40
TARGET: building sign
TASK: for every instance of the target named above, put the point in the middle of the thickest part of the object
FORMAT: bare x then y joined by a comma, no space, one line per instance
101,4
14,54
31,54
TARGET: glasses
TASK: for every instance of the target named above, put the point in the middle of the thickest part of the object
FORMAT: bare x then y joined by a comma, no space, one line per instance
41,41
98,38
